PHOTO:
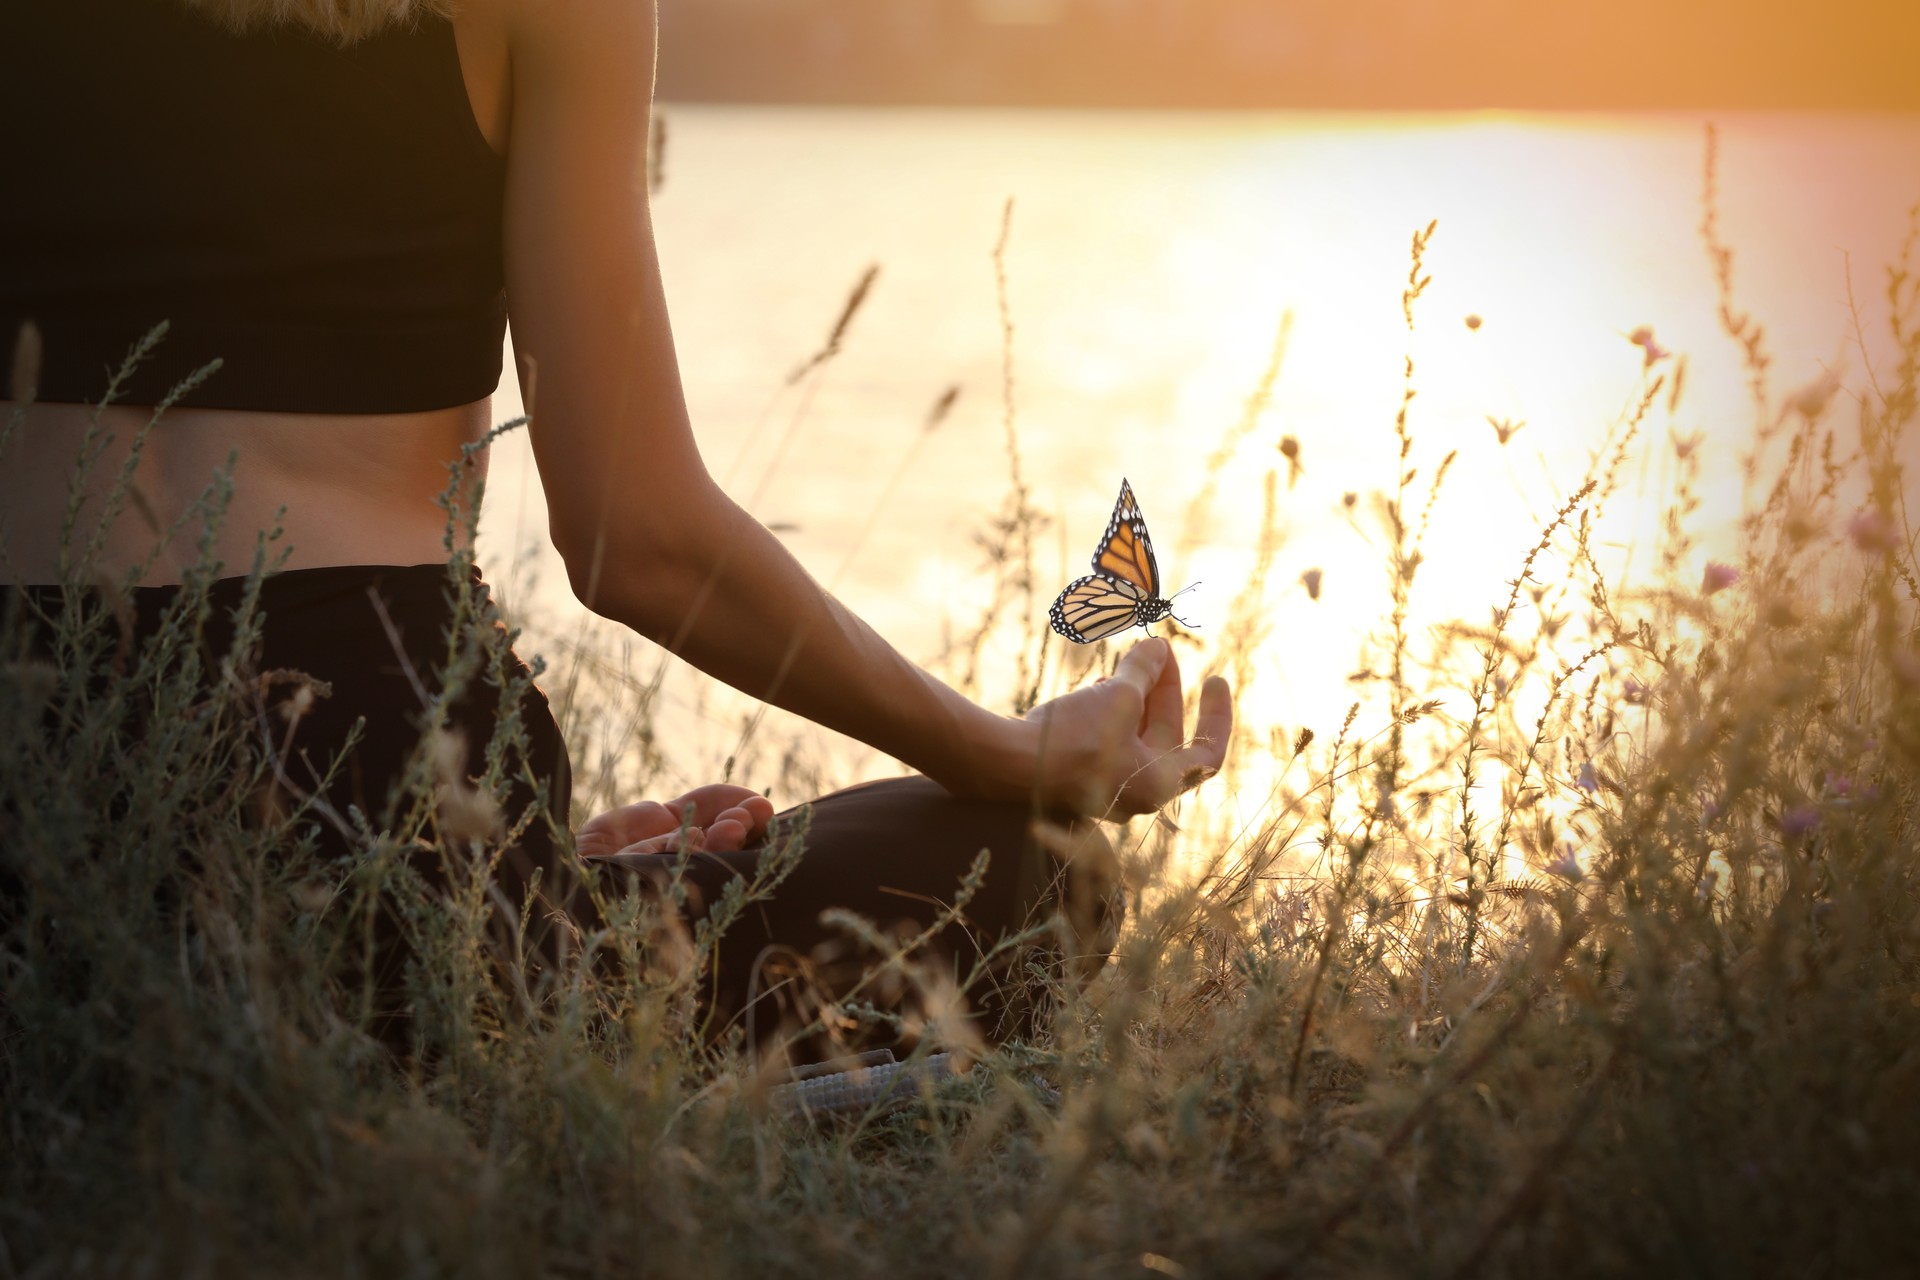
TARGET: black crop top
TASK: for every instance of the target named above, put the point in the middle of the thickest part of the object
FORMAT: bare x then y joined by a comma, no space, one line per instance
326,221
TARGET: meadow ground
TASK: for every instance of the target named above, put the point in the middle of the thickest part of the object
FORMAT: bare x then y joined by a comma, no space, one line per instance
1588,945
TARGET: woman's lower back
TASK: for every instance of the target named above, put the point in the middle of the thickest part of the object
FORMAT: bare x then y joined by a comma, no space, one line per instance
356,489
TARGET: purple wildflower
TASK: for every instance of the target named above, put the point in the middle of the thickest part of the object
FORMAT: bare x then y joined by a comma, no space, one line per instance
1718,577
1567,866
1871,531
1799,820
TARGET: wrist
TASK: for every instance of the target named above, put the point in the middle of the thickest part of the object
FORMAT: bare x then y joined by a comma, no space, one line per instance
996,757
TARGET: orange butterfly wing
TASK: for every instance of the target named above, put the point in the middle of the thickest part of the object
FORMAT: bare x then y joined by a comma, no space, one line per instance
1124,589
1126,552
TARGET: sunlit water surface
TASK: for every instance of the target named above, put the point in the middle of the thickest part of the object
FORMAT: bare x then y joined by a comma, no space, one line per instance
1151,260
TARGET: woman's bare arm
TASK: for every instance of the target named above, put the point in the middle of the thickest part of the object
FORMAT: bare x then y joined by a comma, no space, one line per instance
647,536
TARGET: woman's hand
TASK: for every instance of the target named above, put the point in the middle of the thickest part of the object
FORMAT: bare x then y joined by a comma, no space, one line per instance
1118,748
717,818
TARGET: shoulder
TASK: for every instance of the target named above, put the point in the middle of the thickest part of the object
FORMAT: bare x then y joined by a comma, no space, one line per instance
577,72
578,34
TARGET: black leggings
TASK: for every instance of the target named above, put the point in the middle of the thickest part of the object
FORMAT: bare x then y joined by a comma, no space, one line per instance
893,852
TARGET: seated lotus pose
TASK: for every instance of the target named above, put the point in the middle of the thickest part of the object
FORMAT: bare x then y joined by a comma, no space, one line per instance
344,201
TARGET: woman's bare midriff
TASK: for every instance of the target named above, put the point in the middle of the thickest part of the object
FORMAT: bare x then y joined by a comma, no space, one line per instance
341,489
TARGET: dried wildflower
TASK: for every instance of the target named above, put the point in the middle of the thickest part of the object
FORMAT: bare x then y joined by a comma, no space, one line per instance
1811,400
944,1014
1311,580
1718,577
1290,450
1589,780
297,706
1800,524
1473,320
1635,693
941,407
1504,427
466,812
1685,446
1651,351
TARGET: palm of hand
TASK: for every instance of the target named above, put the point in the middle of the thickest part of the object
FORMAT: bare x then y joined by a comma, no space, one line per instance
718,818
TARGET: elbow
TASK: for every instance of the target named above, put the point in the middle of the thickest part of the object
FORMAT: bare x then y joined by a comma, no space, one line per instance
642,578
648,557
602,564
587,555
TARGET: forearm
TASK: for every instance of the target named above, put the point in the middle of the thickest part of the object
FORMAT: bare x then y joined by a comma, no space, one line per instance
723,593
650,540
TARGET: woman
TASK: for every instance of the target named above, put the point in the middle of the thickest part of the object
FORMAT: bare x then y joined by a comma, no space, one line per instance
341,200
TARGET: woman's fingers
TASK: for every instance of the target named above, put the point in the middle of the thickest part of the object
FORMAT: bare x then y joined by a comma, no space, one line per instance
610,832
739,826
1141,666
1161,720
1169,770
712,800
719,816
1212,731
1200,756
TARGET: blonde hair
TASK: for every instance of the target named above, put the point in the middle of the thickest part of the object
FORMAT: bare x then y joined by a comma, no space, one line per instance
343,20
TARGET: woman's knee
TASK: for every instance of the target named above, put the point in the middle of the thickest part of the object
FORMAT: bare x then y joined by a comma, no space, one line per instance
1089,893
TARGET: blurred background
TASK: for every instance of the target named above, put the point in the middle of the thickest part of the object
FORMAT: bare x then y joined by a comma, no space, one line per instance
1436,54
1209,197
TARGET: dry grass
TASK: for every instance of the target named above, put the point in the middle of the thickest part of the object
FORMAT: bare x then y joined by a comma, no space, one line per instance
1686,1041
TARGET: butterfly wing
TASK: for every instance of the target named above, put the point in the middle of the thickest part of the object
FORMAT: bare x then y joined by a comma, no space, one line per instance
1095,607
1126,552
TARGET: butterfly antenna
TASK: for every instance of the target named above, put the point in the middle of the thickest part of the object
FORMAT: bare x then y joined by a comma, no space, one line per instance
1176,617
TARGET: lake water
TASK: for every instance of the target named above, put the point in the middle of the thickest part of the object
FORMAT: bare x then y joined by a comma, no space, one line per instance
1151,260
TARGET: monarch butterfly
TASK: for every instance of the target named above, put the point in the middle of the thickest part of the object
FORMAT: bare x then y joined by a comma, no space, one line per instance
1123,590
